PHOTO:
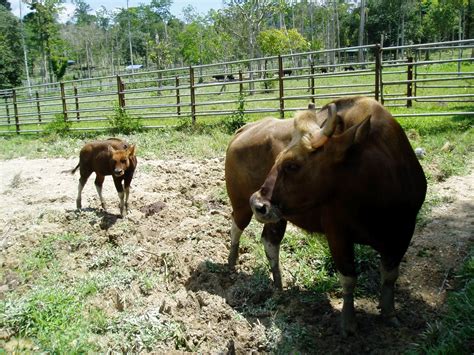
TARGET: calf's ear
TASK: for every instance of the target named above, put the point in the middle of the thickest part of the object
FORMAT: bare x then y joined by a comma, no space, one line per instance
131,150
111,149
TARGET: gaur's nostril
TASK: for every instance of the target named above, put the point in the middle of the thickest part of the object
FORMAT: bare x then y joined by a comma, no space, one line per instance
261,208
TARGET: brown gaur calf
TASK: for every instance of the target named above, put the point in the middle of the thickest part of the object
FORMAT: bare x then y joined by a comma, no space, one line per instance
108,157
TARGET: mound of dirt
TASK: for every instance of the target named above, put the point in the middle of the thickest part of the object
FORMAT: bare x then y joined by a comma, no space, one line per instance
178,231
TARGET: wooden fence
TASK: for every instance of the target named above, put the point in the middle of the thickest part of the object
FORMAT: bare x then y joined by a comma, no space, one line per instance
434,79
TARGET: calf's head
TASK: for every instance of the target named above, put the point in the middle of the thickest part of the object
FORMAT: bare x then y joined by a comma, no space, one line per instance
120,159
305,174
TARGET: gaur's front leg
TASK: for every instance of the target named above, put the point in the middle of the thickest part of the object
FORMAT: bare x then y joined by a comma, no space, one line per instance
127,182
121,194
241,217
271,237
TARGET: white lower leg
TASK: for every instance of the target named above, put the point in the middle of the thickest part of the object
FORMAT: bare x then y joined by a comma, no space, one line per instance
235,234
127,193
272,252
348,321
79,196
99,192
121,204
387,301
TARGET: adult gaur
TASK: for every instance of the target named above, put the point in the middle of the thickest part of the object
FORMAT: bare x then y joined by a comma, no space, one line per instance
347,171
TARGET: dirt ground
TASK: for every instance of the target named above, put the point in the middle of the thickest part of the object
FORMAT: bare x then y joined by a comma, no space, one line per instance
179,227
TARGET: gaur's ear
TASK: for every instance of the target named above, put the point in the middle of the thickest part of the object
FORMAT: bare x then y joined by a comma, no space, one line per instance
355,135
311,106
131,150
362,131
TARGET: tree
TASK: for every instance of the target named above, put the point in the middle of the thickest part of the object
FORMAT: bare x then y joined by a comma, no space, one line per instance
275,42
82,14
11,63
44,30
5,4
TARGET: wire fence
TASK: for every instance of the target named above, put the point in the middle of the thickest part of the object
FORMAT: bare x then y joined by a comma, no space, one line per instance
434,79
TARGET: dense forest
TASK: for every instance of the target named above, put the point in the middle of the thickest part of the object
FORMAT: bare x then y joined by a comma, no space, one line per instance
40,49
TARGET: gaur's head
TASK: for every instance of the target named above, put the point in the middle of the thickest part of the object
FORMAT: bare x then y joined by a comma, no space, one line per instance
120,159
306,172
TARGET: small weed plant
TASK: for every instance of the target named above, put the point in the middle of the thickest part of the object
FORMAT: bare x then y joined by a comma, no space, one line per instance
122,123
238,118
59,125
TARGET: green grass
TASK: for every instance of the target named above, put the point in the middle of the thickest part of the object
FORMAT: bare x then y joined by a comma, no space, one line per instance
52,310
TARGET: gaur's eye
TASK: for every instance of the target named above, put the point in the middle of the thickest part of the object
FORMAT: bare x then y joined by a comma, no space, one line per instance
123,161
291,167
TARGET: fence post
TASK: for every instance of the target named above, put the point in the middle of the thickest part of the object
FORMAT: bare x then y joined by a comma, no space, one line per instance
193,94
312,83
38,106
15,112
378,69
120,93
241,85
76,101
178,99
7,109
63,100
409,81
280,85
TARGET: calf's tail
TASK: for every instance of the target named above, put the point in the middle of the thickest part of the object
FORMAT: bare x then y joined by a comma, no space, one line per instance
73,170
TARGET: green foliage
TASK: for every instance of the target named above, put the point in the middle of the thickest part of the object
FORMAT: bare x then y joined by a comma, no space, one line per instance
122,123
59,125
454,333
237,119
280,41
11,63
59,66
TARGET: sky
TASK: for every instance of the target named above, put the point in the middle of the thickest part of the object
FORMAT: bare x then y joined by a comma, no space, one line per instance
201,6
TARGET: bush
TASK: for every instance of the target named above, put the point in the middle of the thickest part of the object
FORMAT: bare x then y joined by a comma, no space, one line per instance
237,119
59,125
122,123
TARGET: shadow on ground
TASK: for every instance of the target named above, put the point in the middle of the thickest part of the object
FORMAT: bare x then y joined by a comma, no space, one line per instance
308,322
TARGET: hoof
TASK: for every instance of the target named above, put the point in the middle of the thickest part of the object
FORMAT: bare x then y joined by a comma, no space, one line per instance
232,260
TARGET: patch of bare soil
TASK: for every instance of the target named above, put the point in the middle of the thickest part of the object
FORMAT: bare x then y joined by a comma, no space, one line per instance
178,228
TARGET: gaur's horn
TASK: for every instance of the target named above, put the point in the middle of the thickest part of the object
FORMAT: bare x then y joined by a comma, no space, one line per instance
331,121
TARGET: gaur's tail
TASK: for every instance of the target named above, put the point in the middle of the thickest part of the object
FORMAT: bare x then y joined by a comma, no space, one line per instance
72,171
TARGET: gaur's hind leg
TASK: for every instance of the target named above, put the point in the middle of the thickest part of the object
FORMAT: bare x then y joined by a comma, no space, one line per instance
343,255
82,182
388,274
99,181
271,237
240,220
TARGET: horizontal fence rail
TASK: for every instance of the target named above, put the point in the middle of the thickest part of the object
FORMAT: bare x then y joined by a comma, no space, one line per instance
433,79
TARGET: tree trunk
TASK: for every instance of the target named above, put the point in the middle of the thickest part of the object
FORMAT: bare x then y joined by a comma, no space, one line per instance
361,30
